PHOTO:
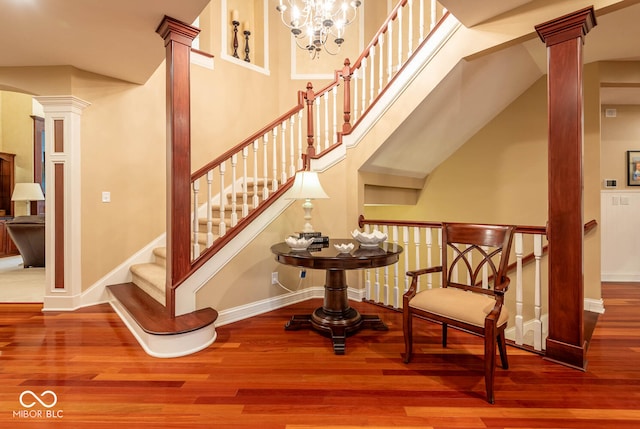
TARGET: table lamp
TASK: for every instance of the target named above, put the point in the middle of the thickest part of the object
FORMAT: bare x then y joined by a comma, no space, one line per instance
27,192
306,186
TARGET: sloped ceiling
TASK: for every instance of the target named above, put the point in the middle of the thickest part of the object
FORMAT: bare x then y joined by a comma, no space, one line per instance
480,88
115,38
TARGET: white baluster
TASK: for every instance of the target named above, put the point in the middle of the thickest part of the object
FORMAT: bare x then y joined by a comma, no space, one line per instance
256,183
274,161
519,319
381,70
406,256
325,101
292,146
390,51
372,53
410,33
421,24
196,223
386,290
433,18
300,163
365,62
234,192
399,38
429,241
355,84
265,169
245,182
283,155
209,208
334,92
440,246
417,242
222,224
538,343
317,127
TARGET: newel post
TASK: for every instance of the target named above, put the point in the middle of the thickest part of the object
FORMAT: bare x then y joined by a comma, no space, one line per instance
564,38
178,37
311,150
346,76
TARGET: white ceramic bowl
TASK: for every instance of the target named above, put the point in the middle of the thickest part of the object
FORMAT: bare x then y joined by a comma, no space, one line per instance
369,239
298,243
344,247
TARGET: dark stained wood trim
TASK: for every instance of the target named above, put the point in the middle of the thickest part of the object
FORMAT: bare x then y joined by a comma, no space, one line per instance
58,236
155,319
564,40
178,37
58,135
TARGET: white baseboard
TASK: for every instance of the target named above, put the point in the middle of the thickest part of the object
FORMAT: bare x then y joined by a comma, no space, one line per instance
259,307
622,278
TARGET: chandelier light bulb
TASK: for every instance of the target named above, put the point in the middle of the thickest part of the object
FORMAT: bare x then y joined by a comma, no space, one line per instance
314,22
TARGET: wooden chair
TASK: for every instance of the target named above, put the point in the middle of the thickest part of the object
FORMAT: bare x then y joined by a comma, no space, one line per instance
474,281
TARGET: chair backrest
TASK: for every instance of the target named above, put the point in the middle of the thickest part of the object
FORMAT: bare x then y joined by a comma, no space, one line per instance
475,256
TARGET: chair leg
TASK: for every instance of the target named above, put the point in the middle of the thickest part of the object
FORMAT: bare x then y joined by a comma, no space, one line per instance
502,348
407,327
489,360
444,335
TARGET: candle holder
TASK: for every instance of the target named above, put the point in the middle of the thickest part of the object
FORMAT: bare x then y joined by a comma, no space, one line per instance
246,45
235,38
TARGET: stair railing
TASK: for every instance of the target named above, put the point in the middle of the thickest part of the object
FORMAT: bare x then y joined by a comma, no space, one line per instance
422,247
233,189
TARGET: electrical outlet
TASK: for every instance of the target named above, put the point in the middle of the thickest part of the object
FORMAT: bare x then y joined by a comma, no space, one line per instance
274,278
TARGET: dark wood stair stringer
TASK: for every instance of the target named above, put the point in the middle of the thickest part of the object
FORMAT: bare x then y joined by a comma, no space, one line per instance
153,317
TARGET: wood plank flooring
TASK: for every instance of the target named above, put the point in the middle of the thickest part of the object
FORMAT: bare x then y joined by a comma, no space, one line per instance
257,375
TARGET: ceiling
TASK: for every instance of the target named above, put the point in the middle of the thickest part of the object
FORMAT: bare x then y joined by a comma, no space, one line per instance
114,38
449,115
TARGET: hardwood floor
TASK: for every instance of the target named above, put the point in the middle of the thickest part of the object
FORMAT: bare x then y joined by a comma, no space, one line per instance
257,375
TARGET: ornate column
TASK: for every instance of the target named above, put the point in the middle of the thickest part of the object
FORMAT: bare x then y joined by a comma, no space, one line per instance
63,231
178,37
564,38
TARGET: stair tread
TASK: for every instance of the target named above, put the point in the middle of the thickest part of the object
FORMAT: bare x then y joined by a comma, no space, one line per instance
154,273
156,319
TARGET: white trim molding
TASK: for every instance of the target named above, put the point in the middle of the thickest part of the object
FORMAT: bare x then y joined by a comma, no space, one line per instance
67,109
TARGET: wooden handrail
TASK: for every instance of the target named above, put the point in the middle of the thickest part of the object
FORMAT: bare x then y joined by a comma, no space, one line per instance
524,229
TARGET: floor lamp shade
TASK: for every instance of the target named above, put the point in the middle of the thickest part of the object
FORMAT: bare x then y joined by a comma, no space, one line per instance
27,192
307,187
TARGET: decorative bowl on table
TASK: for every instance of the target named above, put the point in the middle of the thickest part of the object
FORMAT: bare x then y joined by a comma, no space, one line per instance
369,239
298,243
344,247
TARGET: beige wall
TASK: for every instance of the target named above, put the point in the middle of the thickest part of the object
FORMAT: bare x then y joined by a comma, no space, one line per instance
16,136
500,174
619,134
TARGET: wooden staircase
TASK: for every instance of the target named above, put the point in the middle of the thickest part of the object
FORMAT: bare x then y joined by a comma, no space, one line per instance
142,301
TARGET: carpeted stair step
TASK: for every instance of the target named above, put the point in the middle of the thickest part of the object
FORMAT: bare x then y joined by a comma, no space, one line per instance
151,277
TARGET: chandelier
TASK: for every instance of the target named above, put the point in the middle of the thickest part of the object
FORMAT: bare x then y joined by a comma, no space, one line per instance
314,22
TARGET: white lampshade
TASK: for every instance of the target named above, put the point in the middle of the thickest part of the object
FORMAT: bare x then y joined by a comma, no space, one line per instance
306,185
27,192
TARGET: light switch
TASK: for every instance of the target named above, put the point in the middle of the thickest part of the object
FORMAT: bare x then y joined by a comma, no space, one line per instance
106,197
